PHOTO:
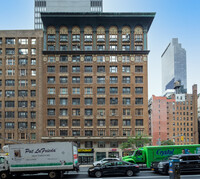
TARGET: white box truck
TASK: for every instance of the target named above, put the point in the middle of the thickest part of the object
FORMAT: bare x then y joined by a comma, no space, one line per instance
53,158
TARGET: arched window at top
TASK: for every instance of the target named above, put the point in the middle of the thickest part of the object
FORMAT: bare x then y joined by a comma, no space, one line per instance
51,34
101,35
138,38
63,34
126,33
113,34
75,34
88,34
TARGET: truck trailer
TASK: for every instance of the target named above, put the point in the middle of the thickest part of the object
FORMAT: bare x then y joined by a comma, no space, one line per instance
149,154
53,158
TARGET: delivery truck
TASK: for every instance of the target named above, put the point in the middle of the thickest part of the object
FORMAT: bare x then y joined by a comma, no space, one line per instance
149,154
53,158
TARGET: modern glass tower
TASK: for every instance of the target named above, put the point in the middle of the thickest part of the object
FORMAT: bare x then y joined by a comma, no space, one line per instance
174,66
64,6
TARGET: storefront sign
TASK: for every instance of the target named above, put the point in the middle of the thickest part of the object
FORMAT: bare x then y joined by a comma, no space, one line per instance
85,150
113,150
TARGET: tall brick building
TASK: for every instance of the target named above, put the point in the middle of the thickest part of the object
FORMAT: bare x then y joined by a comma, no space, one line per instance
174,117
20,86
95,80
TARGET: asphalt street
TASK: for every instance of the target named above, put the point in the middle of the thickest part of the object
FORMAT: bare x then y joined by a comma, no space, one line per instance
142,175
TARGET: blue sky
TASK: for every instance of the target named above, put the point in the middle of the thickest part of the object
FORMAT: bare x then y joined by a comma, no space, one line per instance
174,19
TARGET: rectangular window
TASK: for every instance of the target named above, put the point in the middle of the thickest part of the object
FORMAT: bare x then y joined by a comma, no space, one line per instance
63,91
113,90
113,79
76,112
126,79
88,59
76,38
100,47
63,80
113,101
126,112
113,69
88,47
138,79
10,41
88,79
88,132
23,51
9,114
33,61
126,122
76,122
101,90
75,80
101,101
88,112
63,132
88,38
9,125
63,47
10,51
10,82
22,114
100,59
10,61
75,47
51,38
75,90
101,122
63,37
23,61
126,69
101,69
88,90
126,90
101,79
113,47
113,58
75,132
139,101
139,122
63,122
100,38
75,101
139,90
51,112
125,47
126,101
113,38
88,101
138,69
113,122
63,59
63,69
88,122
63,112
51,122
88,69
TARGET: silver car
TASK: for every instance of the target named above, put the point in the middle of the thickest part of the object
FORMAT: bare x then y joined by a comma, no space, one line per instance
104,160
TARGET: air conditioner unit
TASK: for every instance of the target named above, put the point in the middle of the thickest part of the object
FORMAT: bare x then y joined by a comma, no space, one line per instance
8,95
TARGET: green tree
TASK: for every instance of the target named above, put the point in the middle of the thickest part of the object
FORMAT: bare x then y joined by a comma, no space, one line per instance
167,142
135,141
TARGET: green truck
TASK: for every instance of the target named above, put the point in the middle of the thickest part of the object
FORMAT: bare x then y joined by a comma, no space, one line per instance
149,154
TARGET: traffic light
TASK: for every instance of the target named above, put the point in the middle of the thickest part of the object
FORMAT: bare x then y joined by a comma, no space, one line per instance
182,138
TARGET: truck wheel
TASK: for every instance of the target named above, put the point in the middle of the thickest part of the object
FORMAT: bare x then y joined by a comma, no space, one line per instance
98,174
52,174
4,175
129,173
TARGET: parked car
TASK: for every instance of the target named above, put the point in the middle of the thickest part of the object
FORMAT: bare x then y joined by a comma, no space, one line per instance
114,168
104,160
188,163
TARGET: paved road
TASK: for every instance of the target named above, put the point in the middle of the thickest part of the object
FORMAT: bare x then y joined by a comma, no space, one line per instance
142,175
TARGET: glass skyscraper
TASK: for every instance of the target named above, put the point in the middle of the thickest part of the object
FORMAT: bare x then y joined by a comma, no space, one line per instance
174,66
64,6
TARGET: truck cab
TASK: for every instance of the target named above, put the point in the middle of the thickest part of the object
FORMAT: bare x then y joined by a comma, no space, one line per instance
139,156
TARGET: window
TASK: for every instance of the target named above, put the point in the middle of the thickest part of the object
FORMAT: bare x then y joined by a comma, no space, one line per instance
33,82
138,69
88,59
75,80
22,93
126,112
113,47
88,144
51,122
88,122
126,122
51,38
51,91
113,69
63,69
88,132
51,112
76,112
76,122
114,144
10,51
138,112
114,122
101,132
75,47
9,72
22,104
33,72
101,69
125,47
139,90
50,69
88,47
138,79
88,90
88,38
113,90
101,112
113,133
63,80
51,101
50,80
101,101
138,59
23,51
33,104
63,122
9,93
126,132
126,79
75,101
113,79
9,104
75,132
63,112
125,37
9,114
63,38
22,125
9,125
10,61
88,112
101,122
126,90
63,59
22,114
63,132
33,51
101,90
113,38
101,144
88,69
88,101
101,80
139,122
100,47
10,82
100,38
51,59
113,100
22,61
76,38
138,47
33,41
33,114
75,90
126,101
138,100
63,91
10,41
63,47
100,59
51,48
126,69
88,79
33,61
125,59
138,37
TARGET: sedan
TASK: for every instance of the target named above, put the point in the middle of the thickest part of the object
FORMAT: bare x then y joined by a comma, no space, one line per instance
114,168
104,160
